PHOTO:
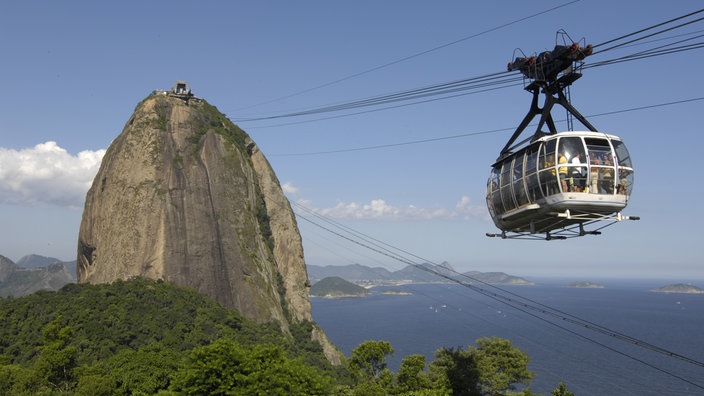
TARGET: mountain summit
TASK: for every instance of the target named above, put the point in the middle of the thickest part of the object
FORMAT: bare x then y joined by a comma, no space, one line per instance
184,195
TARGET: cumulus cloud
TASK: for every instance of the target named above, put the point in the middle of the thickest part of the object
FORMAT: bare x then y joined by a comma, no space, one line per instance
289,188
47,173
379,209
466,209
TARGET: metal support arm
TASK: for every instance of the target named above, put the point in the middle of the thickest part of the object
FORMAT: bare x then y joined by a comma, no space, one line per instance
554,94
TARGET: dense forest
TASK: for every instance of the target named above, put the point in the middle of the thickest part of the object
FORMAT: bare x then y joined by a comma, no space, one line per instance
144,337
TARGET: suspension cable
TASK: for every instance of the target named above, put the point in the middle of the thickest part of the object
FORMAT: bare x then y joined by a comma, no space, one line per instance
646,29
493,80
526,306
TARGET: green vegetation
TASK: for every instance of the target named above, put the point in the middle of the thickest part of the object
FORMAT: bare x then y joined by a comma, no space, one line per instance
144,337
222,125
210,118
263,220
494,367
226,367
159,123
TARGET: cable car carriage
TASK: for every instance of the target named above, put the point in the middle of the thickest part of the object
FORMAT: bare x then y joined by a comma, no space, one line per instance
556,185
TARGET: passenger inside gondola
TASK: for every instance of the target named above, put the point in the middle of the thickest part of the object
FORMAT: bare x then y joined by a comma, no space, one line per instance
548,175
571,150
622,183
562,170
606,176
577,175
594,174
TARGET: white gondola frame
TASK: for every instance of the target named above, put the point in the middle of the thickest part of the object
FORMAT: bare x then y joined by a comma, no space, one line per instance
526,194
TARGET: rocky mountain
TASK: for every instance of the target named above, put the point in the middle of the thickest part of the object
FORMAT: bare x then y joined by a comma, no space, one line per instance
362,274
17,281
7,267
186,196
36,261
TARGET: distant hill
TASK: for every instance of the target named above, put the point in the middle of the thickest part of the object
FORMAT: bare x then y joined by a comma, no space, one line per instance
358,273
337,287
680,288
23,281
417,274
33,273
351,272
7,267
36,261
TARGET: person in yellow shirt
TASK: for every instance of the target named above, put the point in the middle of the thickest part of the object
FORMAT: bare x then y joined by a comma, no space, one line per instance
562,170
549,184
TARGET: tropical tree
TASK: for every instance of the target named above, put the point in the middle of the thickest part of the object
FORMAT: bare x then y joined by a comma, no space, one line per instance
368,360
413,380
454,369
367,368
491,368
561,390
144,371
411,376
500,365
18,380
57,358
228,368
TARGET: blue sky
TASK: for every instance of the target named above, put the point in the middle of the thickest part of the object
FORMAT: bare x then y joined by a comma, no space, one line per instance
74,71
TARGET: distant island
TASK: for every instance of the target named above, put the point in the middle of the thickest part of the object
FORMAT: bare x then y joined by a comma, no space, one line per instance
683,288
585,285
397,293
336,287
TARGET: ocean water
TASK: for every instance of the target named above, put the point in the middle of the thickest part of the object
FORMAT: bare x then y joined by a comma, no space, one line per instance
589,362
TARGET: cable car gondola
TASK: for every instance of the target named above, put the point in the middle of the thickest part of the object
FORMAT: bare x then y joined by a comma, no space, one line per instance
555,185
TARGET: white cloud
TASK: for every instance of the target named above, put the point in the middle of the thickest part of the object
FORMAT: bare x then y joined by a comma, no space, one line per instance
466,210
379,209
289,188
47,173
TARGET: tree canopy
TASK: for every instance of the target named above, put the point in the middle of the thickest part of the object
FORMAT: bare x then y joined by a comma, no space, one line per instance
144,337
227,368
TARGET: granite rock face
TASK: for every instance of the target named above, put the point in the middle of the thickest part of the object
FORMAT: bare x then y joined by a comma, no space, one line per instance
186,196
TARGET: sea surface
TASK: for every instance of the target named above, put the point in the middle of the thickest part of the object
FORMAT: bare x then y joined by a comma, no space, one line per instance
590,359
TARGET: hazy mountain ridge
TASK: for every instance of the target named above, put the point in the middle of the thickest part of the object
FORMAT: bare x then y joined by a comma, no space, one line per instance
36,261
351,272
17,280
358,273
7,267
